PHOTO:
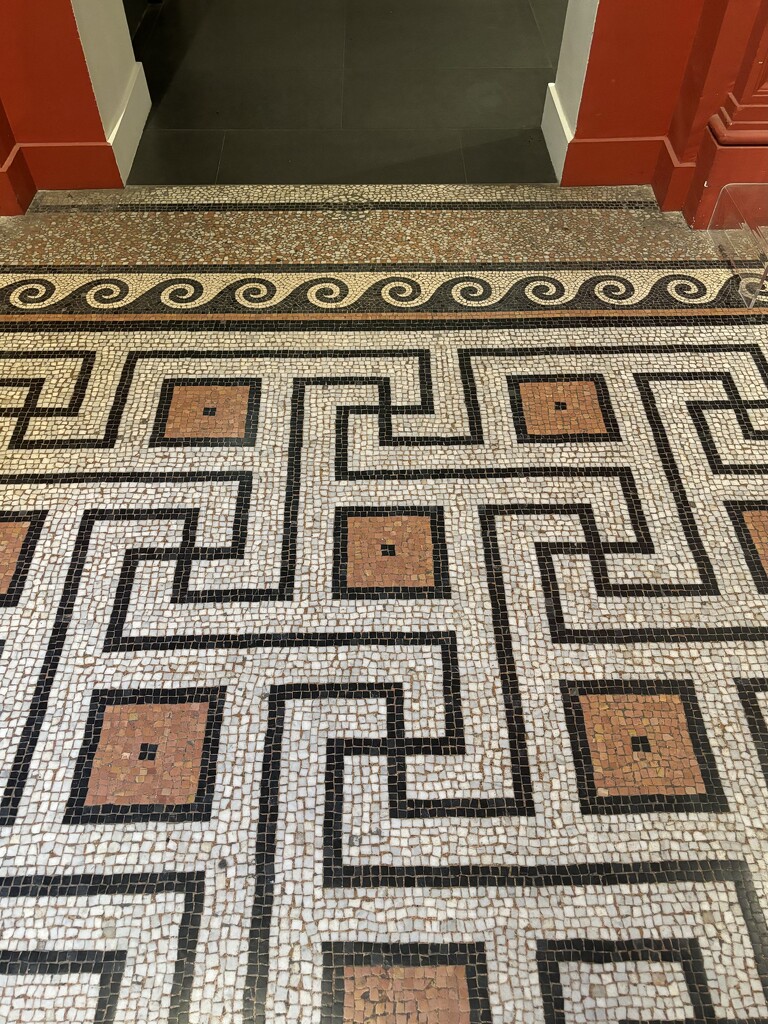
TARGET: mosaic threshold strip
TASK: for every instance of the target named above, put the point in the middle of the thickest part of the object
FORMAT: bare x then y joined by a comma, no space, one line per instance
425,289
374,677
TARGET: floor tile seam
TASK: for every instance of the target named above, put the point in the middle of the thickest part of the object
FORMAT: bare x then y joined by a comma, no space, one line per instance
671,265
426,68
323,131
355,205
221,153
463,157
364,323
553,64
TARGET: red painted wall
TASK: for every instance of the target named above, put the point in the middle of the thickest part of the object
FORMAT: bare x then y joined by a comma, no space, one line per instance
703,88
7,141
44,81
51,133
639,55
719,49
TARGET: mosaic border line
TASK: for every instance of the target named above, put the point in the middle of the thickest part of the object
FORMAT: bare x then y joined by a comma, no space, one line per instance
190,884
278,291
95,269
108,964
547,320
550,954
343,205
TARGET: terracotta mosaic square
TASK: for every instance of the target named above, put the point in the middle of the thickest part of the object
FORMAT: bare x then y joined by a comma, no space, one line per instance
428,994
148,755
405,983
637,748
757,524
557,409
750,524
19,536
12,538
640,745
389,552
207,412
122,773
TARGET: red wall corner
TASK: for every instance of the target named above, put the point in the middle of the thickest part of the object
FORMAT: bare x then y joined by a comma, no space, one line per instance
671,179
51,135
637,60
616,161
721,42
17,186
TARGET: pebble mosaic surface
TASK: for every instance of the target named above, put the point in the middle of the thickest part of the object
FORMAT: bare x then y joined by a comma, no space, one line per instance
397,672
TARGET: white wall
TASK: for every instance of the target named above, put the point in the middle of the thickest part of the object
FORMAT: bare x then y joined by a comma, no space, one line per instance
561,109
117,78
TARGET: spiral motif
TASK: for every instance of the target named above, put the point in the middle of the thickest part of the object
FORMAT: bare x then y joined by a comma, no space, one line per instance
329,292
256,292
471,291
544,290
34,292
401,291
107,292
182,292
613,290
500,288
686,289
751,288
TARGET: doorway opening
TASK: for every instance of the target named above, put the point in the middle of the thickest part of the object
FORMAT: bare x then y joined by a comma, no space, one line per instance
345,91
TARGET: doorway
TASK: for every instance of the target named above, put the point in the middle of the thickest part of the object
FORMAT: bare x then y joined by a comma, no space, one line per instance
347,91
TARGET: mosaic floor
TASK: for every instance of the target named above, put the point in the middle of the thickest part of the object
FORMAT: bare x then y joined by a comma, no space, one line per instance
384,642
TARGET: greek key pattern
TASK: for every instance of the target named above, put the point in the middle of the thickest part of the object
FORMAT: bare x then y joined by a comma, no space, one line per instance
349,675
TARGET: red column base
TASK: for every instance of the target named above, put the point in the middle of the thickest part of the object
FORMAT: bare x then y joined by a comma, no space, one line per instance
672,179
610,161
719,165
75,165
17,186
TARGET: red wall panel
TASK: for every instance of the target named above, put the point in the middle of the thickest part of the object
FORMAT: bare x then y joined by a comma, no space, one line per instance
51,135
639,55
44,82
7,141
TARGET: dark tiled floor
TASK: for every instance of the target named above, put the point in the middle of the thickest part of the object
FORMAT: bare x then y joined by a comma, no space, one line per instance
346,91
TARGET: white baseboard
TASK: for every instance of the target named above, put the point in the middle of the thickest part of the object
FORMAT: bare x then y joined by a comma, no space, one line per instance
557,132
124,137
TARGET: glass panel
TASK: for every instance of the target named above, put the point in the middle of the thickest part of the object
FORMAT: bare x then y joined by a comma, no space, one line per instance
739,229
